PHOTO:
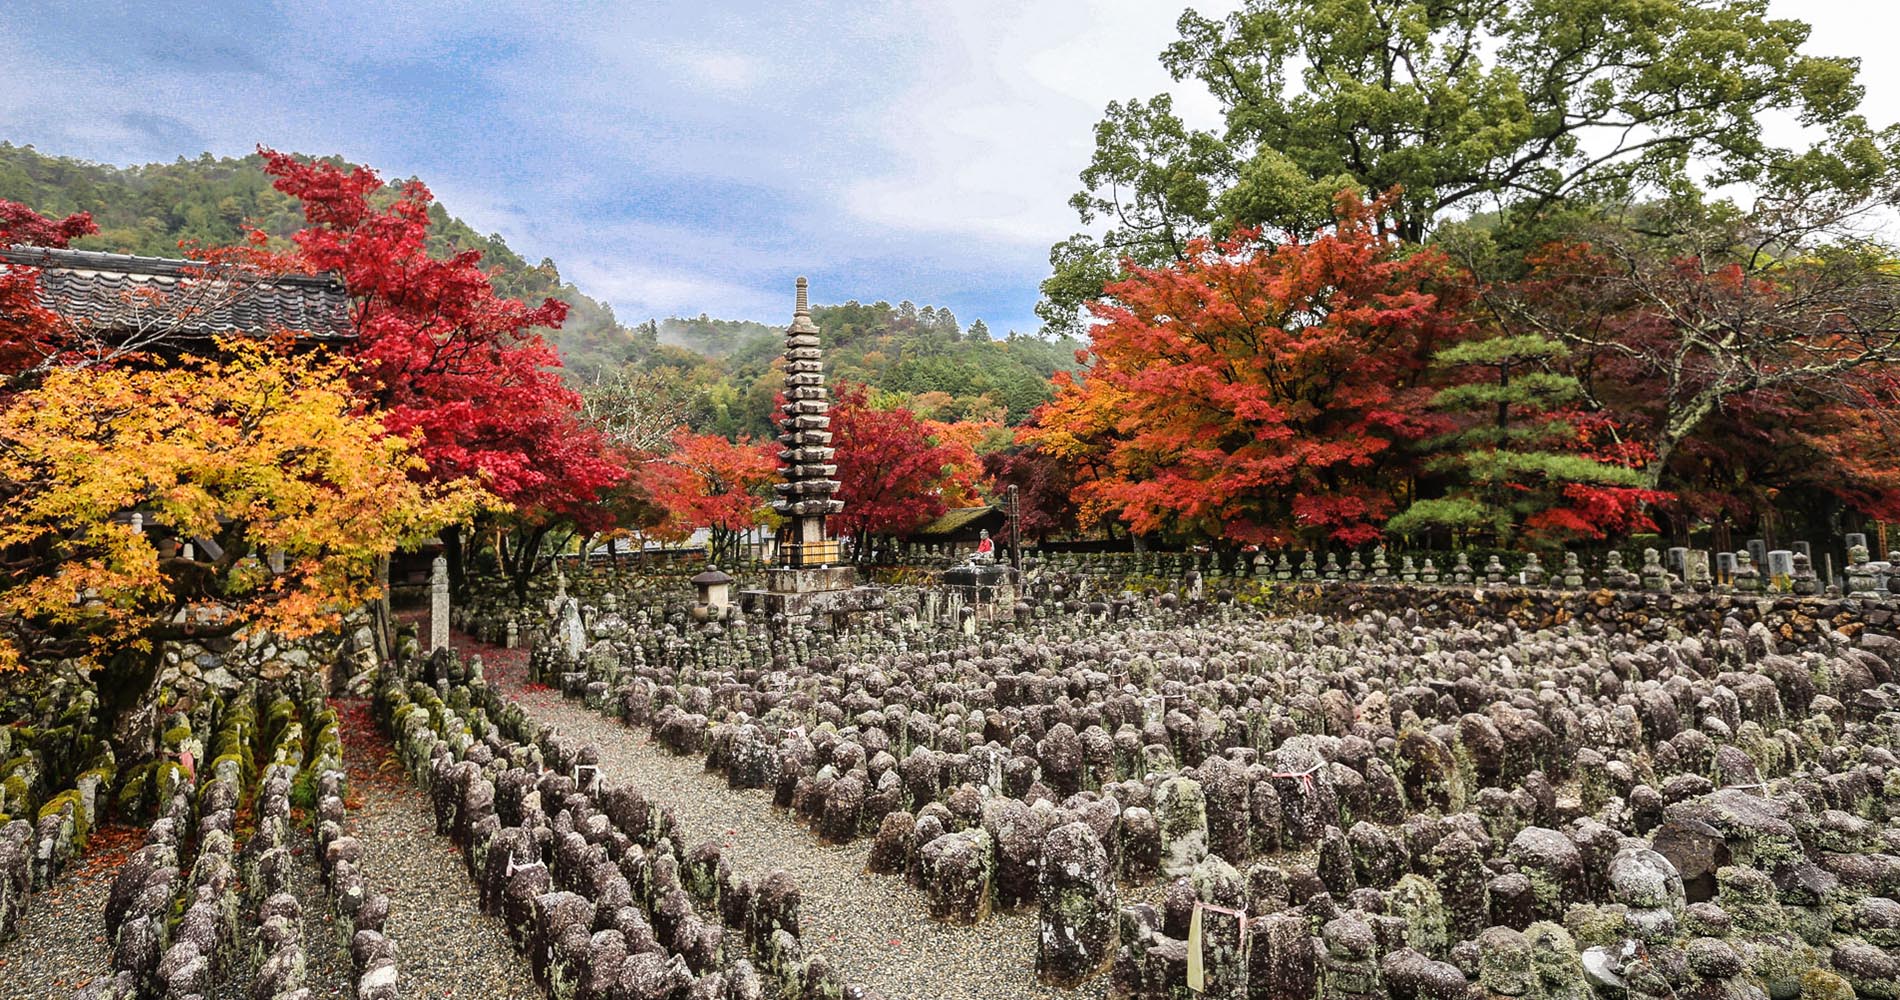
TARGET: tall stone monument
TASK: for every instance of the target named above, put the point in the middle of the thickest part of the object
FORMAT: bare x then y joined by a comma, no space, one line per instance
438,604
812,574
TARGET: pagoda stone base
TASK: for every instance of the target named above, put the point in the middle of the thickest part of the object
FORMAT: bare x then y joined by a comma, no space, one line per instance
837,602
812,579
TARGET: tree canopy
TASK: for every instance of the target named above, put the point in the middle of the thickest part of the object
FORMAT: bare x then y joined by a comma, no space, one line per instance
257,456
1256,391
1511,106
897,471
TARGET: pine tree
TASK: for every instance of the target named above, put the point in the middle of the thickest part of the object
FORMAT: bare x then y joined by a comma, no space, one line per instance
1523,456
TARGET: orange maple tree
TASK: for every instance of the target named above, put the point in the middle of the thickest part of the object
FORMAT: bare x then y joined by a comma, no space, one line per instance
707,481
1249,393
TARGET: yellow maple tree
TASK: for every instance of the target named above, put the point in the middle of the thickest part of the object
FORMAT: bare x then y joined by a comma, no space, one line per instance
261,453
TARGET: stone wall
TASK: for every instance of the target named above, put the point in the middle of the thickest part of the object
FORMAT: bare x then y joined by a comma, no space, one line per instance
193,671
1785,619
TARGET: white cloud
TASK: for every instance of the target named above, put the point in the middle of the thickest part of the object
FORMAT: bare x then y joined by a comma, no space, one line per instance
989,138
638,291
728,73
697,157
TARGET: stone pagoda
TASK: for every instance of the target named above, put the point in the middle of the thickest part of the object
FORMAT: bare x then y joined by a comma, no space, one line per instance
811,574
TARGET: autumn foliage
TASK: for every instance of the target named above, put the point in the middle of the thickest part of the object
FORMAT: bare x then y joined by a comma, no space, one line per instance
707,481
30,333
255,452
897,471
445,408
1255,393
440,352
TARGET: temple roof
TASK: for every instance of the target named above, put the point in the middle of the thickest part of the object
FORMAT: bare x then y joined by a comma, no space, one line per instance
961,523
110,292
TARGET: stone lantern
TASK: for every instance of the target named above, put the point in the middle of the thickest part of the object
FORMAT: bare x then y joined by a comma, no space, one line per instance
715,595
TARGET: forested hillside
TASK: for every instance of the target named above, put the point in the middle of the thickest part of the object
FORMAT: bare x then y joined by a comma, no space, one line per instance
945,372
719,371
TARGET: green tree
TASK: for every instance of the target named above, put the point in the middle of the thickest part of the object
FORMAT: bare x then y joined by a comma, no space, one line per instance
1517,105
1517,457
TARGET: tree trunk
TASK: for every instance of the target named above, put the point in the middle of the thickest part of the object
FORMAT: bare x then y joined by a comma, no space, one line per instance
452,550
382,624
128,697
521,567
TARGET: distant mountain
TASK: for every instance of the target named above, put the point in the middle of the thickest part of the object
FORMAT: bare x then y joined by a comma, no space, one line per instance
919,353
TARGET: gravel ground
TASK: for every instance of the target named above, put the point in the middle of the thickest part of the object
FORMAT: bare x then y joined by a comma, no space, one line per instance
62,941
873,928
326,960
445,945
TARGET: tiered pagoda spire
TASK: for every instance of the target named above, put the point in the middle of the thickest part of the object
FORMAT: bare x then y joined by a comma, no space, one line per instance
808,493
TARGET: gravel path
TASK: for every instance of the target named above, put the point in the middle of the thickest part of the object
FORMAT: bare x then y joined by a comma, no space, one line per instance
62,937
326,961
445,945
872,928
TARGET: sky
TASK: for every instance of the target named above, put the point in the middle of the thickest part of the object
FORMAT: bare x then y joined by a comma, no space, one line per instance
675,158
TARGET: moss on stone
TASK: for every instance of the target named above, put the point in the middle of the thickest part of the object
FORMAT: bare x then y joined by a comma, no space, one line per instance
1594,925
58,804
15,792
1820,984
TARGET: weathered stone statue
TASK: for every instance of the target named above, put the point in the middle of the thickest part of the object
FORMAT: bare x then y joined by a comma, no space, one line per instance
1803,579
1076,907
1461,572
1533,571
1615,575
1860,573
1747,577
1696,571
1655,577
1573,572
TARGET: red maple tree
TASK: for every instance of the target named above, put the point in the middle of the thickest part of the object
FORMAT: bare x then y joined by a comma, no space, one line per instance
1257,392
29,332
897,471
445,356
1044,486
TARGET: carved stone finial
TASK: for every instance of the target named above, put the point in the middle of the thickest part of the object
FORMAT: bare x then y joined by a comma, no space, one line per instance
801,313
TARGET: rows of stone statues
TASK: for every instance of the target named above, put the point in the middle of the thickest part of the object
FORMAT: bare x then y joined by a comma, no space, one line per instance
1366,806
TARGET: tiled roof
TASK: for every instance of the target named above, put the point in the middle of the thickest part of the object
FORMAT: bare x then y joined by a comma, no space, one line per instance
110,292
962,520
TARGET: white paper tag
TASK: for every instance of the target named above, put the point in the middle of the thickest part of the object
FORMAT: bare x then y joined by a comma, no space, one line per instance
1196,975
